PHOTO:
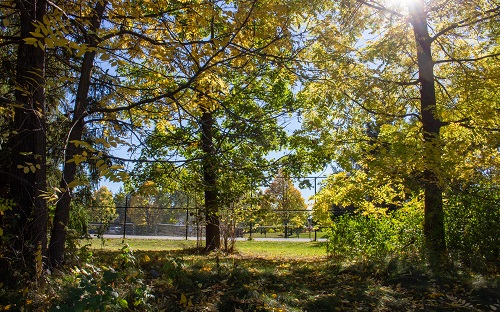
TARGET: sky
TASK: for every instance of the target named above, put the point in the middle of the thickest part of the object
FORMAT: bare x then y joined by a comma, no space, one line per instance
292,125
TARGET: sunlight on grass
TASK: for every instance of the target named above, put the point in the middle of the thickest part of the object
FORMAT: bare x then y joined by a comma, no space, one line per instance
294,250
115,244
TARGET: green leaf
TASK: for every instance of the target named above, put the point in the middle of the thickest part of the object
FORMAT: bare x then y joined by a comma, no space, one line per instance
123,303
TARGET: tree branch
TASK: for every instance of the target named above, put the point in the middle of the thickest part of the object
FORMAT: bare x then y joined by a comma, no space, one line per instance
147,160
371,111
467,59
5,173
400,83
467,22
380,8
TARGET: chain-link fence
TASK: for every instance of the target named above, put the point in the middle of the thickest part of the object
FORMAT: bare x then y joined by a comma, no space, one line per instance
189,223
280,213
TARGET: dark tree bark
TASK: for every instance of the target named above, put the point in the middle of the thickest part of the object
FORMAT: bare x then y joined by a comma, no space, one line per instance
28,219
433,215
210,182
61,216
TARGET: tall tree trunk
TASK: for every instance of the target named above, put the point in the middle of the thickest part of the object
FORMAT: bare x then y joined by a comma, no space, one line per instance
30,215
210,182
433,215
61,215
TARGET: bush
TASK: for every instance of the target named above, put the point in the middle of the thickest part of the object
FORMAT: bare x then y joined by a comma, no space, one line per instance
93,287
376,236
472,218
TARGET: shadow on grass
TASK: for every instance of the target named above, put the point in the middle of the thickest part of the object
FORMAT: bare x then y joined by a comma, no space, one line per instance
189,280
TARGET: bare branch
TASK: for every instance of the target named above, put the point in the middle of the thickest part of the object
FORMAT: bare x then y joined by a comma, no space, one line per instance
467,59
9,101
462,122
467,22
148,39
146,101
371,111
5,173
400,83
153,161
380,8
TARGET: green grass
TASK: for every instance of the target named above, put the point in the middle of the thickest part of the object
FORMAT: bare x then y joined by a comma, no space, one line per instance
282,235
291,250
115,244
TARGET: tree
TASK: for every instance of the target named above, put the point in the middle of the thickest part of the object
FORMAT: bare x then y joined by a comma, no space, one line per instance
80,109
410,71
234,71
285,202
27,178
431,126
103,208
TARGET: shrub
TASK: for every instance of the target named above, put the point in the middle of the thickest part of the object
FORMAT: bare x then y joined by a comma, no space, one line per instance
103,288
472,218
376,236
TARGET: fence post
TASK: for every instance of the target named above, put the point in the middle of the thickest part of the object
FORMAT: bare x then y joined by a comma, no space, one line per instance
313,223
187,222
127,199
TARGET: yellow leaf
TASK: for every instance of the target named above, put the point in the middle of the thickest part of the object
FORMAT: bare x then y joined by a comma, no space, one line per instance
30,40
26,169
184,300
104,172
80,52
74,183
44,29
105,57
36,34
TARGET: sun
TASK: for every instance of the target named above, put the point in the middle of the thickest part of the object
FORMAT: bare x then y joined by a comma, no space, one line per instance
401,2
398,5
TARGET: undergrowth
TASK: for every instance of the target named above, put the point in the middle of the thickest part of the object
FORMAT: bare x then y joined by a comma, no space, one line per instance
188,280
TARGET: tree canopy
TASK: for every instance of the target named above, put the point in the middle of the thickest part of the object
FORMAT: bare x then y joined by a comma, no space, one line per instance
400,99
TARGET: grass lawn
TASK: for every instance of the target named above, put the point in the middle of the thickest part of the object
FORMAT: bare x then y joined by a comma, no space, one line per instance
290,250
115,244
309,235
286,276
